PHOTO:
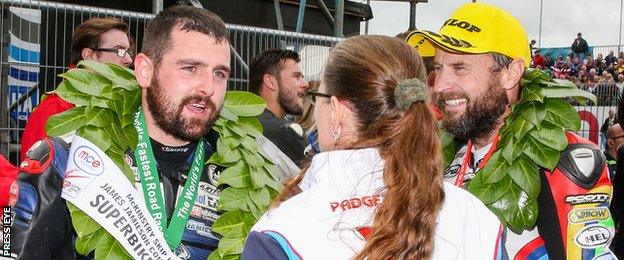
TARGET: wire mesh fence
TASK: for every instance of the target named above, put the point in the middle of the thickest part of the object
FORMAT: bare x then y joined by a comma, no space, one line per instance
593,115
36,38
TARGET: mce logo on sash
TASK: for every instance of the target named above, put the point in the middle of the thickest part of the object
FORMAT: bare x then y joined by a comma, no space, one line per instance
88,160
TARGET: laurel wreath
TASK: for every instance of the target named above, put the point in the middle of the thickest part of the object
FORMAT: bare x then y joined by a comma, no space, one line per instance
107,96
531,139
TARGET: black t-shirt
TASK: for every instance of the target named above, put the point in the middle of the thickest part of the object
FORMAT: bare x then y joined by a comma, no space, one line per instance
173,161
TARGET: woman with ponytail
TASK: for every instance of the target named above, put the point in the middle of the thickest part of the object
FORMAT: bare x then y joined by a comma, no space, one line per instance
375,191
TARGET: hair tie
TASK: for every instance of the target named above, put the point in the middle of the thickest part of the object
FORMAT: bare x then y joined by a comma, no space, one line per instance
409,91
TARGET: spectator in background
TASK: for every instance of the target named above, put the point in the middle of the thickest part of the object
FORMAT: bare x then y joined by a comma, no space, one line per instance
548,61
592,76
275,75
307,122
584,72
607,91
579,46
610,79
611,69
306,119
609,121
615,138
558,69
100,39
589,61
575,65
568,69
599,64
532,46
619,67
610,59
538,61
607,77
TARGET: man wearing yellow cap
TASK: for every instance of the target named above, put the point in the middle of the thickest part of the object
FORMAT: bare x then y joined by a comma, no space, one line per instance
511,132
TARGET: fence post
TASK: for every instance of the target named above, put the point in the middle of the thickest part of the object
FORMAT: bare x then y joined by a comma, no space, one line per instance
157,6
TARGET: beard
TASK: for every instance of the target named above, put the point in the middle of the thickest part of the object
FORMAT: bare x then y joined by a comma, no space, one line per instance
482,112
288,102
168,115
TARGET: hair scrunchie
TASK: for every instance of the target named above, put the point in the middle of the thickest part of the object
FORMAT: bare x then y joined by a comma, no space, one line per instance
409,91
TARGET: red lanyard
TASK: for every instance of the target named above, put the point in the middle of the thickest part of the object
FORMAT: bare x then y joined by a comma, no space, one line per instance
459,182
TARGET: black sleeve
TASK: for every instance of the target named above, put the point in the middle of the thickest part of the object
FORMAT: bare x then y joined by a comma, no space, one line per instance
286,139
41,226
605,126
261,246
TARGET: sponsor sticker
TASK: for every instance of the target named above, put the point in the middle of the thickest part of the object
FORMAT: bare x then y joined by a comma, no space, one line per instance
451,171
87,160
592,236
200,228
128,160
584,215
587,198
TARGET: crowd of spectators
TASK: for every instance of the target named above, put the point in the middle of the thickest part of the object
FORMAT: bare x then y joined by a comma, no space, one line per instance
600,75
609,69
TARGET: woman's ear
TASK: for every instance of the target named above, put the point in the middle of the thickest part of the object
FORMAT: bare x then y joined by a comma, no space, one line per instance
336,112
143,70
87,54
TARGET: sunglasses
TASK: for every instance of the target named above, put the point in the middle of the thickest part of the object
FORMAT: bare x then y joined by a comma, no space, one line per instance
121,52
312,94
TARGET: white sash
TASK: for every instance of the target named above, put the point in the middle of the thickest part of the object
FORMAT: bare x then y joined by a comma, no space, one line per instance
95,185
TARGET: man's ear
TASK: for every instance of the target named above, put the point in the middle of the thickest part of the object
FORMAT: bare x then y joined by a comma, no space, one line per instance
610,143
143,70
512,75
270,81
88,54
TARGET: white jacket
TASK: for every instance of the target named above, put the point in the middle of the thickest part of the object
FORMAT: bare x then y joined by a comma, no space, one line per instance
341,191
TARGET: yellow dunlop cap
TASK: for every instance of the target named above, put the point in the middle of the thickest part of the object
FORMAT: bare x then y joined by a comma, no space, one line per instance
476,28
422,45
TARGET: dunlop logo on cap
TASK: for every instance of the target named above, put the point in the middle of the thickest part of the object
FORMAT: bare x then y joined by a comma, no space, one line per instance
462,24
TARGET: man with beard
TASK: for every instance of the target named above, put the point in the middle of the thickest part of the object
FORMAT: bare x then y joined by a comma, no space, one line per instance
183,72
480,58
275,75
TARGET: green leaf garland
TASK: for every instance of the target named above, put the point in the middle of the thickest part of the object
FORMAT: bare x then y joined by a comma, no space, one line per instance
532,138
106,98
251,179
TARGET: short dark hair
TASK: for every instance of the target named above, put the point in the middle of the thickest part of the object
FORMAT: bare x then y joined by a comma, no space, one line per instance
268,62
157,38
88,34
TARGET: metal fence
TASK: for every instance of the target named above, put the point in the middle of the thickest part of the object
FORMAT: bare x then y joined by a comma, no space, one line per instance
36,37
605,49
592,114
